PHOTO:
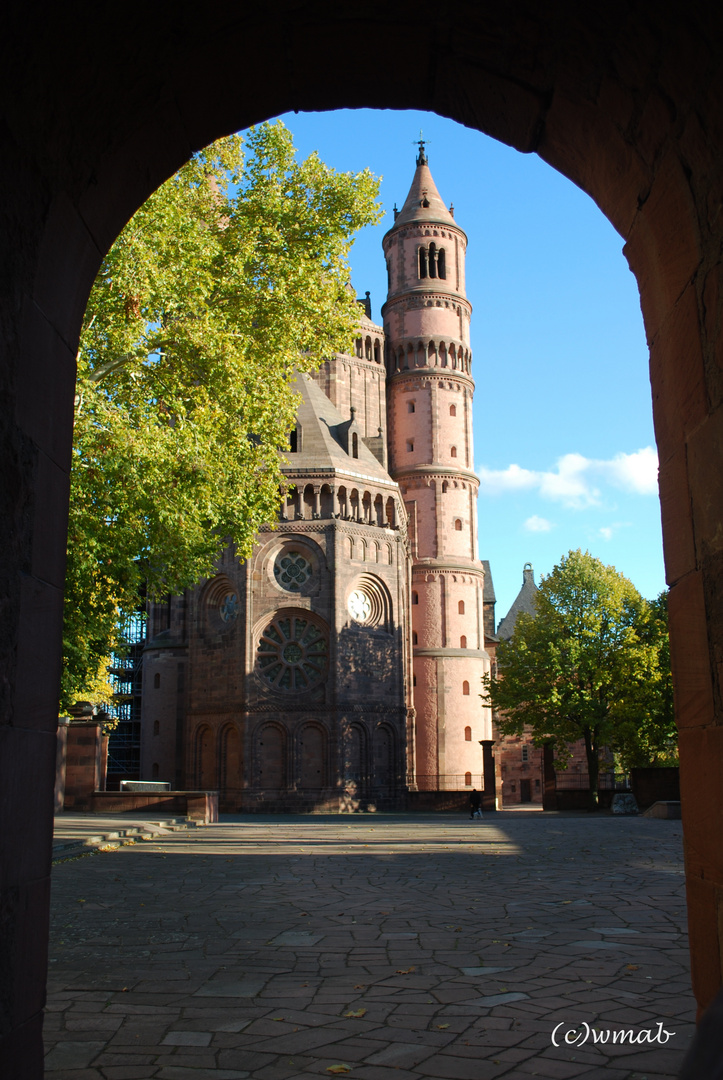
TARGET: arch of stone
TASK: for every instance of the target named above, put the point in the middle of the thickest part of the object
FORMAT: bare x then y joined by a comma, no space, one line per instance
102,103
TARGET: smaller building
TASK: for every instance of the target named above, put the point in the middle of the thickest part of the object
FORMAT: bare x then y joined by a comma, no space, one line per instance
520,775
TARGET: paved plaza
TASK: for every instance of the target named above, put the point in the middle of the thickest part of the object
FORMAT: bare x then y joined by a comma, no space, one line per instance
381,947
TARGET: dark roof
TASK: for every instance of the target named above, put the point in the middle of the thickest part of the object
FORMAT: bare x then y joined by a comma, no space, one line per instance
488,597
325,437
525,601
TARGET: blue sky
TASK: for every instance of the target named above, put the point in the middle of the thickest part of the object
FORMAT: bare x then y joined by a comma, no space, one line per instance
563,433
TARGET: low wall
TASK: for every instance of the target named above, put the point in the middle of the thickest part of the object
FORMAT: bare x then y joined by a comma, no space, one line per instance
439,801
200,806
655,785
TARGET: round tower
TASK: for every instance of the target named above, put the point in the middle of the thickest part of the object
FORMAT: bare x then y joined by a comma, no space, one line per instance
430,387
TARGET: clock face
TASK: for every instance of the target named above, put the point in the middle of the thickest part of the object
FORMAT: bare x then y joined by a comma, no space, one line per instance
359,606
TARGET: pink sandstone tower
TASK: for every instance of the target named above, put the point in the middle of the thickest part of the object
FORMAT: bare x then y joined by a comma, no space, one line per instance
430,387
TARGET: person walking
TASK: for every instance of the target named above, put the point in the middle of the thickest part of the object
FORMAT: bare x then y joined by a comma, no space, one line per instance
475,804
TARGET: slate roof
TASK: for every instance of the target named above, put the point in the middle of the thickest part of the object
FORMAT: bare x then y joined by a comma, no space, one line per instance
488,596
325,437
525,601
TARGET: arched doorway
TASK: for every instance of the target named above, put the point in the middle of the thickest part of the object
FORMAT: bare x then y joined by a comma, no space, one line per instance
624,101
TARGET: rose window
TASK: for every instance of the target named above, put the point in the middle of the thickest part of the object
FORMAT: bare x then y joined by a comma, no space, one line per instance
229,607
292,653
292,570
360,606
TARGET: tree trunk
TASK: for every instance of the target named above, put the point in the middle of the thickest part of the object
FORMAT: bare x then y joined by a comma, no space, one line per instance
593,766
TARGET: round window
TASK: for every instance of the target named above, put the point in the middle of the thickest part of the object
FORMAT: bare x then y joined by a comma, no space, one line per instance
292,570
229,608
292,654
359,606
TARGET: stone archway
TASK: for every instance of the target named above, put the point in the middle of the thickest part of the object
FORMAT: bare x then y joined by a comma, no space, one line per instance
101,108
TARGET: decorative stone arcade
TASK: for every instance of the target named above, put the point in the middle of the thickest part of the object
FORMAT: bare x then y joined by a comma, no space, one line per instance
430,387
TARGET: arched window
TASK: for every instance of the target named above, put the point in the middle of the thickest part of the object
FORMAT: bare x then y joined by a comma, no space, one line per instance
463,642
157,681
445,487
377,355
415,597
460,607
468,779
432,260
422,262
368,348
354,444
294,441
156,727
468,734
453,451
359,347
453,410
410,406
441,263
458,525
465,688
415,639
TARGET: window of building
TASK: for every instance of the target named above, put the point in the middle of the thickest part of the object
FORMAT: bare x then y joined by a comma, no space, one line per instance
422,262
410,406
458,524
465,688
414,680
410,445
359,347
156,727
460,607
453,451
468,779
432,260
415,639
354,444
415,598
525,753
453,410
468,734
463,642
157,681
441,263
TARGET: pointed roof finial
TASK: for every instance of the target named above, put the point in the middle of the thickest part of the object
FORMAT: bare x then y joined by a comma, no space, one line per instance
421,156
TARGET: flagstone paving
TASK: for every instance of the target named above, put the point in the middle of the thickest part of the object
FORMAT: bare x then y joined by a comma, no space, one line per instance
382,947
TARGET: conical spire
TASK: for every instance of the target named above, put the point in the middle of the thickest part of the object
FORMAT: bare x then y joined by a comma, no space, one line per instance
423,203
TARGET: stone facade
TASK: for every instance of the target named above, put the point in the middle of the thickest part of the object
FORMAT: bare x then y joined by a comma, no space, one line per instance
341,664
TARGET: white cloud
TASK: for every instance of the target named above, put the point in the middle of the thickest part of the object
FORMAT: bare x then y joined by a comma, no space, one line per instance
537,524
575,481
637,472
608,531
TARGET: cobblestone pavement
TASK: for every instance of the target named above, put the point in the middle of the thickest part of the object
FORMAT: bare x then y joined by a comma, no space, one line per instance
383,946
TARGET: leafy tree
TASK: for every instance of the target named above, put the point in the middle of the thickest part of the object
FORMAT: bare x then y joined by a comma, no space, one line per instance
591,664
650,736
230,278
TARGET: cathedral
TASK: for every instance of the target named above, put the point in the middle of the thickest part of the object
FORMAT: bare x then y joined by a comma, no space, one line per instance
340,666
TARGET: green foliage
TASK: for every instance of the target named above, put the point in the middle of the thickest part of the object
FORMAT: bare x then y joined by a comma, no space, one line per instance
592,664
232,276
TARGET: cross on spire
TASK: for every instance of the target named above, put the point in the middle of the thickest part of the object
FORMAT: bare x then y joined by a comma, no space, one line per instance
420,142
